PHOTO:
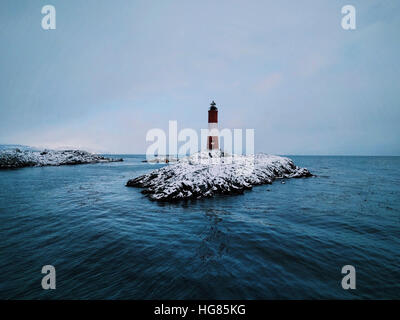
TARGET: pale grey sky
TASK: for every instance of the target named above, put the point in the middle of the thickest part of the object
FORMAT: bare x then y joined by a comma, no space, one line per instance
114,69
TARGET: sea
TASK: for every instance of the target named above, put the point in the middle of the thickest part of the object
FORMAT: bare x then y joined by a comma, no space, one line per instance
287,240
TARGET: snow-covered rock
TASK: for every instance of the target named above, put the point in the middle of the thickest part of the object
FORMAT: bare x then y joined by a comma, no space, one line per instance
17,158
17,146
206,174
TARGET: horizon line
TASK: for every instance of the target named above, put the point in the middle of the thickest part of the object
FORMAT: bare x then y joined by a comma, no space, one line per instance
278,154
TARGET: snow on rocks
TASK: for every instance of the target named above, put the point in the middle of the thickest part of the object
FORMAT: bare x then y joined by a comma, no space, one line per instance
16,158
206,174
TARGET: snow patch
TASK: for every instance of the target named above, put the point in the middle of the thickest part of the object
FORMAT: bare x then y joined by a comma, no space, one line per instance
17,158
209,173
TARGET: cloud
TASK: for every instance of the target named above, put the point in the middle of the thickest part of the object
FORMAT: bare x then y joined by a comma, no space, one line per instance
268,83
280,74
312,64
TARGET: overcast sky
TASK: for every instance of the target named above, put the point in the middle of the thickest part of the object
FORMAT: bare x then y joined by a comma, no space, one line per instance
112,70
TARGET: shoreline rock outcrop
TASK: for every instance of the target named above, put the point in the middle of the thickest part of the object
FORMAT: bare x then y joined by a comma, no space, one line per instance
16,158
206,174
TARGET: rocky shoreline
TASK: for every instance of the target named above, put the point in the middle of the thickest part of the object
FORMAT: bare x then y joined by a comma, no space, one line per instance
16,158
206,174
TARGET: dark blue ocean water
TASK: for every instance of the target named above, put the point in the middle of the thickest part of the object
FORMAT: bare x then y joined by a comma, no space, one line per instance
288,240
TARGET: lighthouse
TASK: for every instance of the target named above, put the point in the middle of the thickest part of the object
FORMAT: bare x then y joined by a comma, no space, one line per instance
212,139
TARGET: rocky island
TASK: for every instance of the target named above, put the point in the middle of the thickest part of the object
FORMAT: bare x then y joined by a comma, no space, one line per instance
209,173
17,158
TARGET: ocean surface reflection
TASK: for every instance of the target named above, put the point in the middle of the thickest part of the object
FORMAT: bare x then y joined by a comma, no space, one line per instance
288,240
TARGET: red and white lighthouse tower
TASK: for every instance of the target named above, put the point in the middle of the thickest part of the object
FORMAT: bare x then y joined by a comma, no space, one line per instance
212,139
